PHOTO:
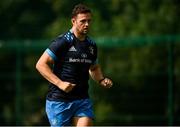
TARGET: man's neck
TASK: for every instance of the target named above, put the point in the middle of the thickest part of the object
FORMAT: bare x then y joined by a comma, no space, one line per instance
78,35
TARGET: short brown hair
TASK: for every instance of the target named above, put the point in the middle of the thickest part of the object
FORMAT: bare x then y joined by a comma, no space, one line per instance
80,8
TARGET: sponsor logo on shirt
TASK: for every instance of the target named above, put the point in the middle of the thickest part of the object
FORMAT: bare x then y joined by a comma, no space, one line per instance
83,55
77,60
72,49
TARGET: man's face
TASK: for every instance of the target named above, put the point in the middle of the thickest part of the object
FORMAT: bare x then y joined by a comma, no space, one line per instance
82,22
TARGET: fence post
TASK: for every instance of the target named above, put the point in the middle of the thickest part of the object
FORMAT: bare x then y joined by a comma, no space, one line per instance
18,87
170,82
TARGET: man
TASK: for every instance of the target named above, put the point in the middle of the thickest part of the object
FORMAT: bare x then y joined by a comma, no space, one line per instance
73,56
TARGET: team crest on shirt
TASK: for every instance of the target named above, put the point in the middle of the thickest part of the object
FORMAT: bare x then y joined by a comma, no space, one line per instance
91,49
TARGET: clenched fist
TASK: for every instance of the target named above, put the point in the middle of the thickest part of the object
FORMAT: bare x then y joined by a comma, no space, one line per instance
66,86
106,82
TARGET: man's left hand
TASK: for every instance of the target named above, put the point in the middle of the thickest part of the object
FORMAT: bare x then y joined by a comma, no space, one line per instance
107,83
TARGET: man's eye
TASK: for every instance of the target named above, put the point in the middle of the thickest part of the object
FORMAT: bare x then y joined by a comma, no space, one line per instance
83,21
88,21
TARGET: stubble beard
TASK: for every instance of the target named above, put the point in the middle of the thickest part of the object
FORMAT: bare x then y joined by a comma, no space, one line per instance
84,32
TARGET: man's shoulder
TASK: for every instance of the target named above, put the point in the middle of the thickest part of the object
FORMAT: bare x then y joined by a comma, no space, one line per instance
91,41
66,37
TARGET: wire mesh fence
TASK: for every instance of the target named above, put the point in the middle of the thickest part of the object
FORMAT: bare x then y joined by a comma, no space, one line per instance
144,70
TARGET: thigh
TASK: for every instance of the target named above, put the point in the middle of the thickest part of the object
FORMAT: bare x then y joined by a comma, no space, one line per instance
59,113
82,121
84,113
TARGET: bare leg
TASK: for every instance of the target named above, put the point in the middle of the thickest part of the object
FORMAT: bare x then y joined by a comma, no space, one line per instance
82,121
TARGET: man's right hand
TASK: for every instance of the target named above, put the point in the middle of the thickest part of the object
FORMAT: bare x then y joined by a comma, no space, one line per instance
66,86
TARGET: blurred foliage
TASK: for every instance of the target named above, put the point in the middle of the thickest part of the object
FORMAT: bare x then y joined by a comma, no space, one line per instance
35,19
139,70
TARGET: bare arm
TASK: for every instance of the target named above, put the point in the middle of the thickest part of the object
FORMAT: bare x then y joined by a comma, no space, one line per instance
43,66
97,75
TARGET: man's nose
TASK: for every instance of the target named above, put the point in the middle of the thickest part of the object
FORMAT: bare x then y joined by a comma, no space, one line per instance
87,23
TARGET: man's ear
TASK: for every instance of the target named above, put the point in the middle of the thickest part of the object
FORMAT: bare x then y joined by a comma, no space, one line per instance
73,20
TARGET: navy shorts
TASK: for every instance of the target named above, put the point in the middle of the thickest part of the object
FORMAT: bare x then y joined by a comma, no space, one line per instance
60,113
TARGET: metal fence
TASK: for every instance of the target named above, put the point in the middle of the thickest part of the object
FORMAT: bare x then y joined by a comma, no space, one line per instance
23,89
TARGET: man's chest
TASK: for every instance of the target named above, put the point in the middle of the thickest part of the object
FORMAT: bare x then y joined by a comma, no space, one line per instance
80,54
